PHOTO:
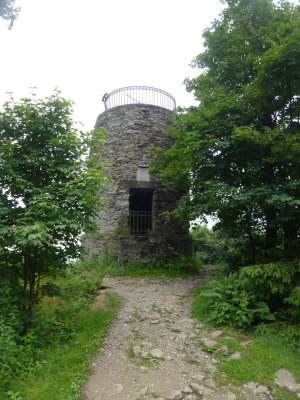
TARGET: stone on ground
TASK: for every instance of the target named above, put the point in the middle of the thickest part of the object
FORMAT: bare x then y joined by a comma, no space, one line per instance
216,333
176,395
119,388
245,344
251,385
198,378
235,356
210,343
230,396
157,353
146,390
191,397
197,388
187,390
284,378
136,350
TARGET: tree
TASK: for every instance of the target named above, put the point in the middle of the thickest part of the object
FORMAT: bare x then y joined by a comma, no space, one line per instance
8,11
215,248
49,192
237,153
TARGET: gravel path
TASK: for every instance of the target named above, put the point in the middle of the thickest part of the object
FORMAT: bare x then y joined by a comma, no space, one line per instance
152,348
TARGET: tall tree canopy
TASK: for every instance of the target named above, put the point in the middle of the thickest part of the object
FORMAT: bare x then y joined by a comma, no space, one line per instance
49,192
237,153
9,11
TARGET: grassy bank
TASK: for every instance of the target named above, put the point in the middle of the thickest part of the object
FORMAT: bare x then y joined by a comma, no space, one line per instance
179,267
64,367
260,361
271,334
52,360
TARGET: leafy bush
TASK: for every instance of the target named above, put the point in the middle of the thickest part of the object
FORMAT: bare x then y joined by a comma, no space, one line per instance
287,334
228,300
274,278
275,283
253,295
55,321
294,305
215,247
9,350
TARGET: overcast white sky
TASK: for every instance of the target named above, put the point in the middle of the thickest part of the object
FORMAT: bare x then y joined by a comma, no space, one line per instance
87,48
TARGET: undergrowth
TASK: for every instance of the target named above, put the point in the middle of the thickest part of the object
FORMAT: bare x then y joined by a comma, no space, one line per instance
177,267
258,303
253,295
51,360
260,361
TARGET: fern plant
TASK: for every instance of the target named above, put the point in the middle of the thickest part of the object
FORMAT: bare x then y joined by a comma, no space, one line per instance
275,278
228,300
293,302
253,295
274,283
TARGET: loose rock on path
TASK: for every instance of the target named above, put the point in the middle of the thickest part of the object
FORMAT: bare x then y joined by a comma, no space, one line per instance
152,348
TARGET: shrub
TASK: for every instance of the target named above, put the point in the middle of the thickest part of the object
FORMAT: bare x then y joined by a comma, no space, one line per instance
216,247
228,300
275,284
9,350
253,295
294,305
287,334
55,321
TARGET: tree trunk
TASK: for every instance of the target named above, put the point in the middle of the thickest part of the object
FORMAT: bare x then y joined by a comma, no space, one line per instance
291,242
29,280
252,247
271,231
32,294
250,236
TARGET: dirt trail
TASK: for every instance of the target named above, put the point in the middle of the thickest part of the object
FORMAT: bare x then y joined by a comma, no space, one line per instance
152,348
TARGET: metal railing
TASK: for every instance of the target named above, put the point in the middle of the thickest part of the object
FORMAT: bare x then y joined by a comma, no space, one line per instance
139,95
136,223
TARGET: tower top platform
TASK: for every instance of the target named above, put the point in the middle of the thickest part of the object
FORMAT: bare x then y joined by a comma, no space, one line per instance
139,95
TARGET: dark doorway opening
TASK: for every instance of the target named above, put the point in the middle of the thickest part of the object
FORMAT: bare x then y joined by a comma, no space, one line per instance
140,200
140,211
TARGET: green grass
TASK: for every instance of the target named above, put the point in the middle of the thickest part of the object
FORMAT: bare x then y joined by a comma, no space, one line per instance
52,362
261,361
68,365
180,267
53,359
270,351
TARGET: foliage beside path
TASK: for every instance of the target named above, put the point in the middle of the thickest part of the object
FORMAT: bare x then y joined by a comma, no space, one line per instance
52,360
257,308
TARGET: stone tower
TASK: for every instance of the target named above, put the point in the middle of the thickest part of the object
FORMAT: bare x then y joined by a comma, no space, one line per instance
132,223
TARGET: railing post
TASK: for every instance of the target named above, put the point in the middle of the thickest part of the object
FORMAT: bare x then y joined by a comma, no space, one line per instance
139,95
138,222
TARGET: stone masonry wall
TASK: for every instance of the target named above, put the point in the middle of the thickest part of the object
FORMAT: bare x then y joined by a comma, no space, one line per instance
132,129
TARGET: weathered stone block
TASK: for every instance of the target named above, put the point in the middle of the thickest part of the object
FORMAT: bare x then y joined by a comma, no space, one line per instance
132,129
